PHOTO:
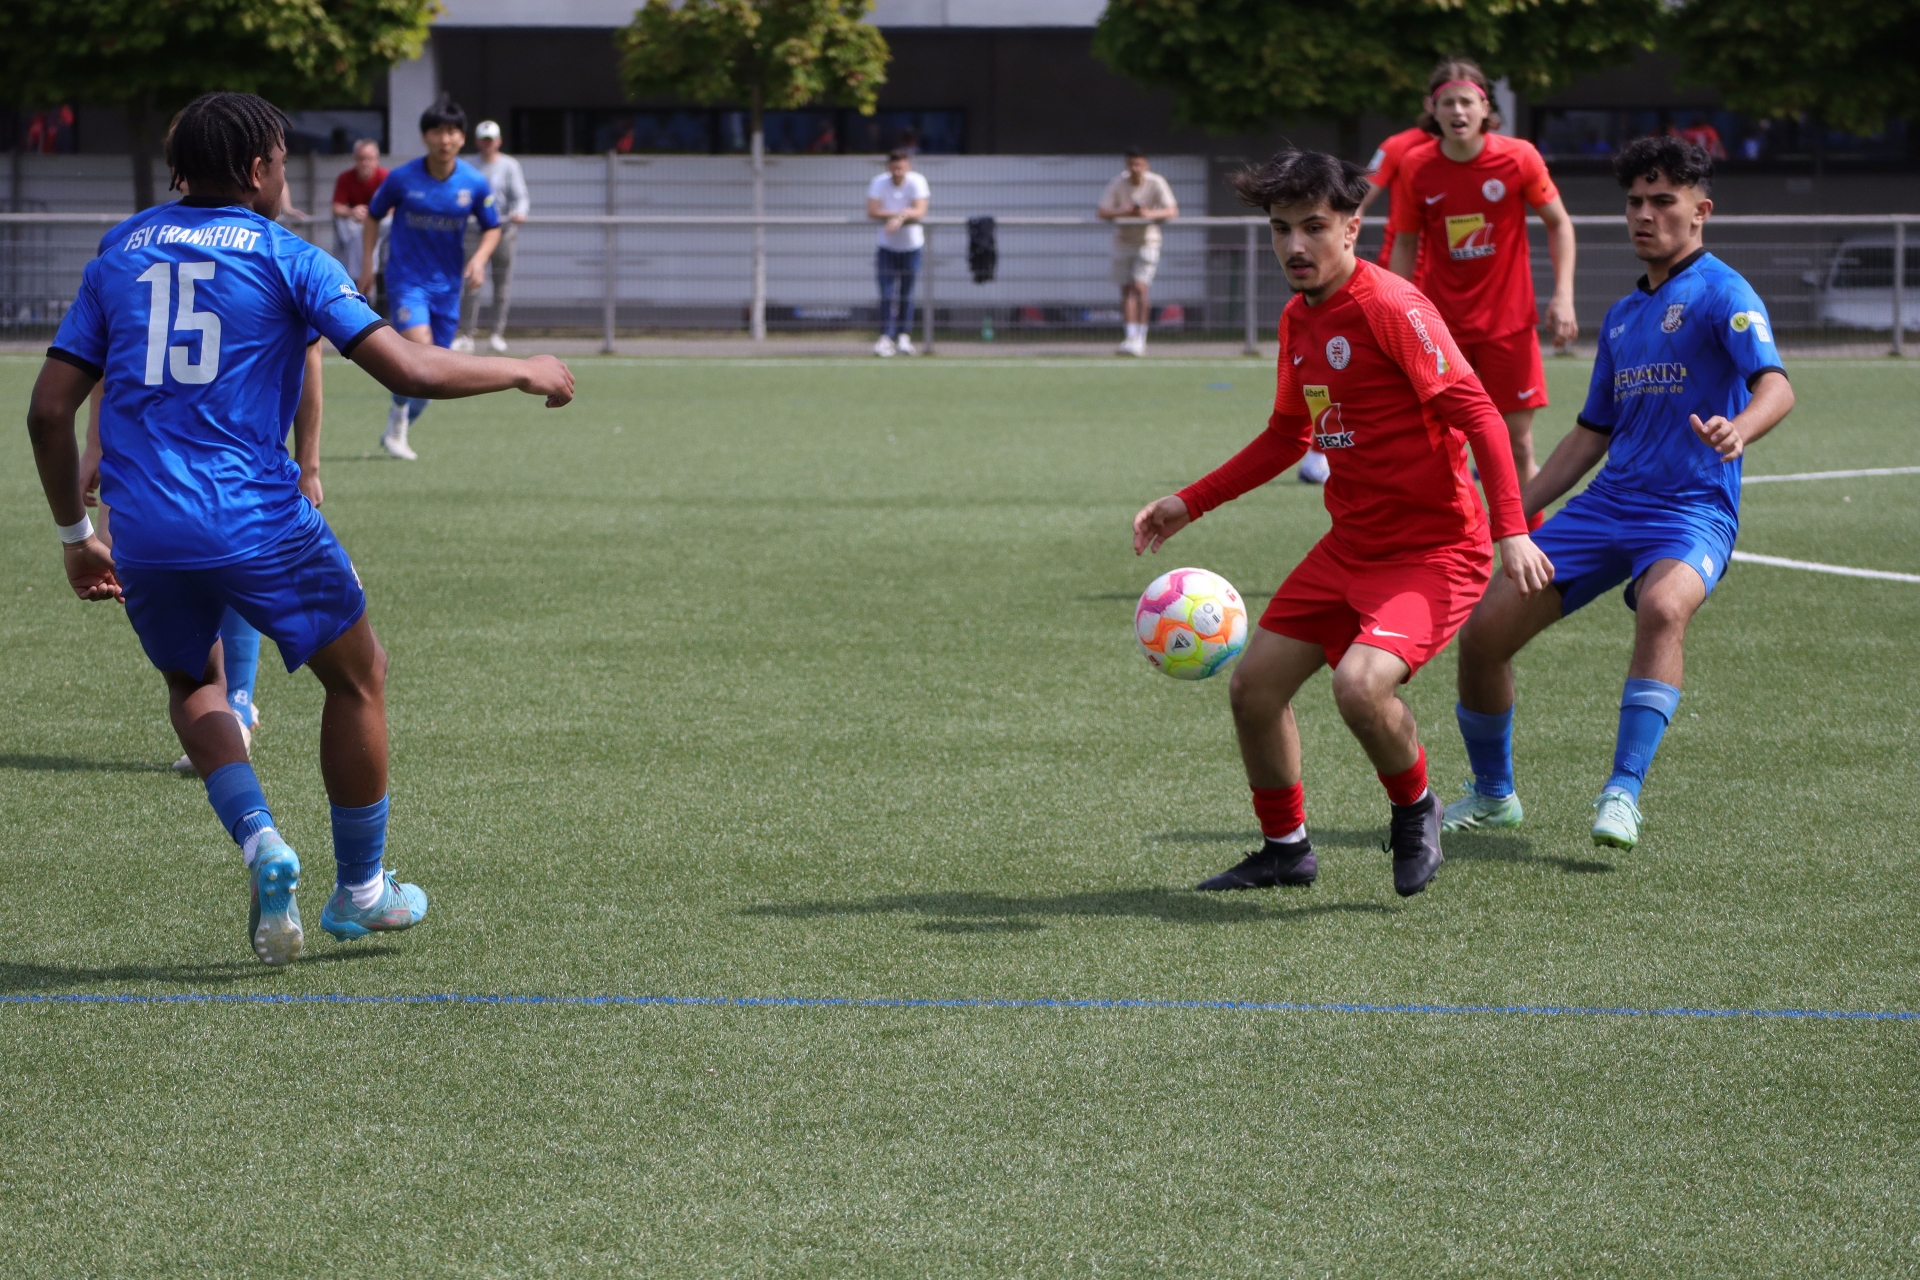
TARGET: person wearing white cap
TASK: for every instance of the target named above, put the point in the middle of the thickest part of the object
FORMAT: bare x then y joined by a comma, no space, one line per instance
509,183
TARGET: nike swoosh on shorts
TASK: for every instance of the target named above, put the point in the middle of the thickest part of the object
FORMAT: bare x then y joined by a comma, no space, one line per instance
1398,635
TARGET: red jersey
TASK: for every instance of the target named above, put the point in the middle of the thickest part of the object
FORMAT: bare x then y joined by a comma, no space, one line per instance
1384,168
1372,378
350,191
1473,216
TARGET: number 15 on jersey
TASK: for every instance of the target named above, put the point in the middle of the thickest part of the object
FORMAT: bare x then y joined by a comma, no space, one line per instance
161,326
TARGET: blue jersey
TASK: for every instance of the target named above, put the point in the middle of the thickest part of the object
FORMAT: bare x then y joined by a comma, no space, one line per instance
197,317
1695,345
428,244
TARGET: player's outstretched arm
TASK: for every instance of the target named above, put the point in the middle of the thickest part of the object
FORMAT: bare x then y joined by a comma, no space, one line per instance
1159,521
1772,401
57,396
1577,453
432,373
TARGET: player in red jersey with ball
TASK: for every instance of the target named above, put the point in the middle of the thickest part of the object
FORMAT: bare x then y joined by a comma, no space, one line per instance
1368,372
1460,221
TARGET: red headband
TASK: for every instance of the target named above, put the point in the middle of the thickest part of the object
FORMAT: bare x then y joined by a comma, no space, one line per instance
1448,84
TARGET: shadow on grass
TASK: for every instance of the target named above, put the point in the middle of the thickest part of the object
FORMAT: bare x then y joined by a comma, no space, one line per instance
998,913
16,977
79,764
1459,846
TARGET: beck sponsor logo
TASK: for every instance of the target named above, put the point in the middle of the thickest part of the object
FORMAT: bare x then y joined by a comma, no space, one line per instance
1469,236
1328,431
1426,340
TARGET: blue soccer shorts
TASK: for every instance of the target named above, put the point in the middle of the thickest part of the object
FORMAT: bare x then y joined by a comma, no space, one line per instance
415,304
302,593
1599,540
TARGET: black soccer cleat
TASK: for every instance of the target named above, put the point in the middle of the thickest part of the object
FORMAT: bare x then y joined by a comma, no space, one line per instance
1414,842
1272,864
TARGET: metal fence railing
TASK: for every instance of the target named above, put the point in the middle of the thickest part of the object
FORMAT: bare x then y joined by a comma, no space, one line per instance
1826,280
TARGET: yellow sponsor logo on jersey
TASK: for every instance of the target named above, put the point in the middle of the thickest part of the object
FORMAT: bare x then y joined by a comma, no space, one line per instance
1469,236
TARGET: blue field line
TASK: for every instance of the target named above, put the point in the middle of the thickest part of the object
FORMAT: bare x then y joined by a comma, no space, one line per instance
976,1002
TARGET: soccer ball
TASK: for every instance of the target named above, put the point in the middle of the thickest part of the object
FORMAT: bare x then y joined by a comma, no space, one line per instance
1190,623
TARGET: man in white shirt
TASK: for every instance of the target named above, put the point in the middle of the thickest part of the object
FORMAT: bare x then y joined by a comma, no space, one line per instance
1137,192
509,183
897,200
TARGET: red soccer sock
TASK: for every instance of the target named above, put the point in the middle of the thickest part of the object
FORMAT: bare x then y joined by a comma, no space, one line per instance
1281,810
1406,788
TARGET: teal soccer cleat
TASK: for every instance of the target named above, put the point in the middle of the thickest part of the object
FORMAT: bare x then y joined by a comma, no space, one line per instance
401,906
1481,813
273,920
1616,820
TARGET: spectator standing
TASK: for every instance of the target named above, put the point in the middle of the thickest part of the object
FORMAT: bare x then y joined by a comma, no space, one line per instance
897,200
1137,192
509,183
351,192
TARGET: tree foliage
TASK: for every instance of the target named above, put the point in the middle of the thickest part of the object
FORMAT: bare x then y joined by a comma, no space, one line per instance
296,53
763,54
1243,64
1846,63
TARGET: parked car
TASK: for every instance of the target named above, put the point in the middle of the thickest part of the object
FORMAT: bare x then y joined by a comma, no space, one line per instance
1856,289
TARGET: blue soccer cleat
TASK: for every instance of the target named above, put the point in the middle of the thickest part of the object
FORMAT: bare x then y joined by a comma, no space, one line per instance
401,906
273,920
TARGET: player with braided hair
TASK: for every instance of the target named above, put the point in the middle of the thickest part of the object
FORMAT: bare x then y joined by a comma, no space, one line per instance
195,319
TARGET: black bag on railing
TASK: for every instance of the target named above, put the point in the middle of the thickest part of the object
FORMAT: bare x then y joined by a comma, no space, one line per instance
983,250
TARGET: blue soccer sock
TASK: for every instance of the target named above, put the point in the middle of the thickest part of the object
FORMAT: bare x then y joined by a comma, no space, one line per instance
242,644
234,792
1489,749
415,407
359,841
1646,708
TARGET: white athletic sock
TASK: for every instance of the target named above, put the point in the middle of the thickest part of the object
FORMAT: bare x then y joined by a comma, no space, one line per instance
365,895
1136,333
251,849
1298,833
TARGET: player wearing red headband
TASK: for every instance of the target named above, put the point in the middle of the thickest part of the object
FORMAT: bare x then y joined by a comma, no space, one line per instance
1463,198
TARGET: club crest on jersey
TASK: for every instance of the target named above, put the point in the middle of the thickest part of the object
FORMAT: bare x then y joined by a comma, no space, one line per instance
1670,323
463,198
1328,431
1339,352
1468,237
1494,190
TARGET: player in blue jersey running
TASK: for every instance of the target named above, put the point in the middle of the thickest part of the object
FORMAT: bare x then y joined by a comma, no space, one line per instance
431,199
196,320
1686,378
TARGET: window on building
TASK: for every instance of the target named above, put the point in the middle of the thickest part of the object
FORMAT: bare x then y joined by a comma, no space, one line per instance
1729,136
333,132
46,131
561,131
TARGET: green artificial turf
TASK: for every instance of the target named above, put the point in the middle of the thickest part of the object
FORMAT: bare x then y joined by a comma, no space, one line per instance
816,679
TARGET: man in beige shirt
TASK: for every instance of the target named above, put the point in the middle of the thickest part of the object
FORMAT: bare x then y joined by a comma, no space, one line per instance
1136,193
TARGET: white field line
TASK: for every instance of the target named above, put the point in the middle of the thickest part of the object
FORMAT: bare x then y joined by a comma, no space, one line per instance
1811,566
1832,475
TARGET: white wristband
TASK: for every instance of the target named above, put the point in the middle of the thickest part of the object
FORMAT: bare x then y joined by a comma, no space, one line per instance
79,531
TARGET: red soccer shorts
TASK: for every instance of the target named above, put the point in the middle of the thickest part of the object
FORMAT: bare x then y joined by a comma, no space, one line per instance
1411,607
1510,370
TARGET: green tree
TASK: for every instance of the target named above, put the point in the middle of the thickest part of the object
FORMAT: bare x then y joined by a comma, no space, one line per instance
1846,63
1244,64
145,55
764,55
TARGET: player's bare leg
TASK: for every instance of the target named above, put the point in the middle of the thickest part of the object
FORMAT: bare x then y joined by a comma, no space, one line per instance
367,897
192,704
1520,432
404,411
1500,626
1261,692
1666,597
1366,689
353,722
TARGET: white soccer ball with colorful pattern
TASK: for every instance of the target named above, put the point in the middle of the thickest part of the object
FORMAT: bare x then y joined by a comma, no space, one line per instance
1190,623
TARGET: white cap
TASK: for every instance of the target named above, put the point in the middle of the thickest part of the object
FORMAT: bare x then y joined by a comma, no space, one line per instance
487,129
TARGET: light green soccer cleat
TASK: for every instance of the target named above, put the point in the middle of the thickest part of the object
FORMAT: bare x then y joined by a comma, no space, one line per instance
1481,813
1616,820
